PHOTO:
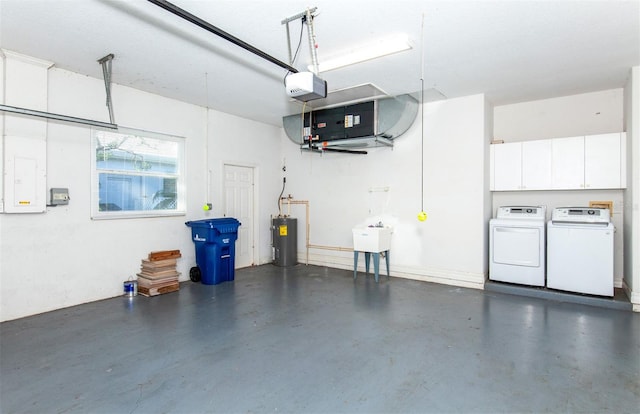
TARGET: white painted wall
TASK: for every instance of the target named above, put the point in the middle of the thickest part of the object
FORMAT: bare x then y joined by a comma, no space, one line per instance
632,194
584,114
590,113
238,141
2,101
62,258
343,190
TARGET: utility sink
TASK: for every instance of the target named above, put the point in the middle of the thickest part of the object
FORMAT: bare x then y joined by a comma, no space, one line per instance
371,239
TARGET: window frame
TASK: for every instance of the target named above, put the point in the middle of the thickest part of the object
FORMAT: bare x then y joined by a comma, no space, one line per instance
180,176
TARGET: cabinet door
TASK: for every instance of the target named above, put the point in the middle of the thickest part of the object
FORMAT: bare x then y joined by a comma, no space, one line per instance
507,166
567,163
536,165
602,167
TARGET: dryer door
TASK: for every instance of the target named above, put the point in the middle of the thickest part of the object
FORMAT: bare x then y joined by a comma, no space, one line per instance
518,246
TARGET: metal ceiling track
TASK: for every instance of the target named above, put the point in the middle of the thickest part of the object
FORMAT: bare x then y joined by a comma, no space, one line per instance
106,68
219,32
105,62
57,117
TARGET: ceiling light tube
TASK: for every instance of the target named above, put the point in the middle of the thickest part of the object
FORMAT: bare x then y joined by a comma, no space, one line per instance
371,51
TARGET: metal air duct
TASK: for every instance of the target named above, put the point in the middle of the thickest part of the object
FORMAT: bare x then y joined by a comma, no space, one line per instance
370,123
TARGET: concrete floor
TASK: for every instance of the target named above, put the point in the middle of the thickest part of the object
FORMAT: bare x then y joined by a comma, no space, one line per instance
309,339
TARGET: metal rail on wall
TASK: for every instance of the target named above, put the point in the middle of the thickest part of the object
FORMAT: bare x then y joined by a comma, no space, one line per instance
106,68
58,117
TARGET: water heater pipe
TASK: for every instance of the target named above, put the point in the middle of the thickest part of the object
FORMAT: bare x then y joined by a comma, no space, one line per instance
308,244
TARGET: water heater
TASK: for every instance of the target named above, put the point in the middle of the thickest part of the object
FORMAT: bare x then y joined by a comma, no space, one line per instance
285,241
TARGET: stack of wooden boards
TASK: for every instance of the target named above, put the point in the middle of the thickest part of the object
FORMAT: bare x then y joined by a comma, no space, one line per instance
158,273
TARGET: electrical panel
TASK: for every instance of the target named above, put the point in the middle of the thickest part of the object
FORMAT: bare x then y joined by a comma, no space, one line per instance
24,175
352,121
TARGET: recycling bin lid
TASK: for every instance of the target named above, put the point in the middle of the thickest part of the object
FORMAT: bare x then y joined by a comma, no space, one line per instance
214,223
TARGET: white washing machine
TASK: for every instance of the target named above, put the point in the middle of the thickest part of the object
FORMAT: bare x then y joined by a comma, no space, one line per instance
580,250
517,245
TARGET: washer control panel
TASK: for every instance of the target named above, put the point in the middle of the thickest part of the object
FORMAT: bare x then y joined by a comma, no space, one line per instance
581,215
522,212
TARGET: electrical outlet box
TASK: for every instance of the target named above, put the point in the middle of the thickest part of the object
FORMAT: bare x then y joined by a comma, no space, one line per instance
59,196
602,204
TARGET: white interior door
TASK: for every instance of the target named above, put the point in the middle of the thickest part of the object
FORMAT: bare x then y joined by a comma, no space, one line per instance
238,202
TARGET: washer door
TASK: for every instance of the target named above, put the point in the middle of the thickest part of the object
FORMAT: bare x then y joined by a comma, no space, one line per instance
518,246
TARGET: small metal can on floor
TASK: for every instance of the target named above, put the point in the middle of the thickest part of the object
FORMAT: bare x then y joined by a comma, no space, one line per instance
130,288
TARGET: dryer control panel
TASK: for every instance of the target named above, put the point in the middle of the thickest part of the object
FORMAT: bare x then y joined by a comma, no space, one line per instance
522,212
581,215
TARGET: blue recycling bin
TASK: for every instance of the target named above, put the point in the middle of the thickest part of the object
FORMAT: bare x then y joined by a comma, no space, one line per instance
214,240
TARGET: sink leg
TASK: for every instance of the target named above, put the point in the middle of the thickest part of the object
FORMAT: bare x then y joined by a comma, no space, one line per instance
386,259
355,264
376,265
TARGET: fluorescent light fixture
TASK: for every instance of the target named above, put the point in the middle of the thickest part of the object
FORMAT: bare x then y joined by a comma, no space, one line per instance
383,47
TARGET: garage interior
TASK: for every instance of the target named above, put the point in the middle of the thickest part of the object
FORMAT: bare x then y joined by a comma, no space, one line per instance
121,121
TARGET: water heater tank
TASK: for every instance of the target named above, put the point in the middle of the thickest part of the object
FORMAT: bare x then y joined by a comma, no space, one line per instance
285,241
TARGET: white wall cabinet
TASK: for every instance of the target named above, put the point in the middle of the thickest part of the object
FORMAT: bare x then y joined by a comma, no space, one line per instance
521,166
584,162
604,161
567,163
536,165
506,162
590,162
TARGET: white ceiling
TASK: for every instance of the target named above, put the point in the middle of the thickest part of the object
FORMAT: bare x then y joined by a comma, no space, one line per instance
512,51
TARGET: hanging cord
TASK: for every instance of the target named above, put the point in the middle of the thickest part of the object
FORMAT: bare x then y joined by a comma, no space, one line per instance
422,113
284,182
422,144
206,139
310,125
302,114
295,56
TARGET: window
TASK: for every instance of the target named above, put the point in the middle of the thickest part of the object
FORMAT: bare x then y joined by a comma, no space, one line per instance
136,174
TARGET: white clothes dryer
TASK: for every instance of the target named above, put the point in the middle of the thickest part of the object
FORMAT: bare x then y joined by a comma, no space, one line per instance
517,245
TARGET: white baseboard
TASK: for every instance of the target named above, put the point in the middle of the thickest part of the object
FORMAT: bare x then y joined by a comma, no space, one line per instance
633,295
425,274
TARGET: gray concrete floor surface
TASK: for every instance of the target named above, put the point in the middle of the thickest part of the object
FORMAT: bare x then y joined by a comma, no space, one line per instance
308,339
